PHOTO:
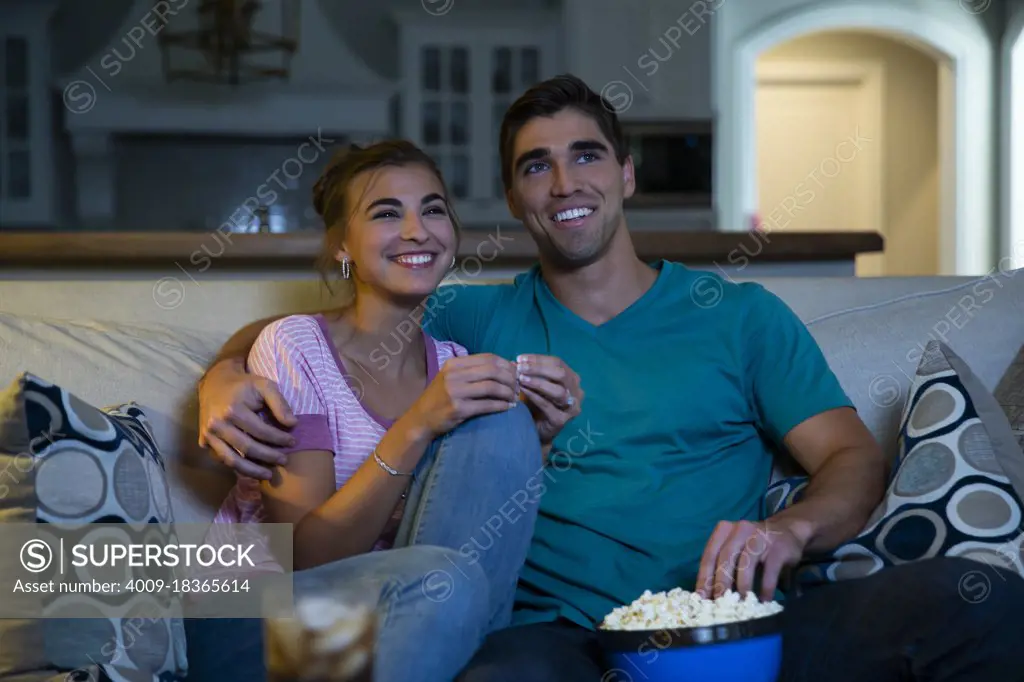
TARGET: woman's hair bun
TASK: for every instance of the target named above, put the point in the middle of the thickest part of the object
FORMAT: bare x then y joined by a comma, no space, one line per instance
325,183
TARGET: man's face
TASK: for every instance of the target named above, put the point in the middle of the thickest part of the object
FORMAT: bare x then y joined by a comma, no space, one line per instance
568,188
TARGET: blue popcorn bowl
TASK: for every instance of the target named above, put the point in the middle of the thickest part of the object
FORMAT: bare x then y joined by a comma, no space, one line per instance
745,651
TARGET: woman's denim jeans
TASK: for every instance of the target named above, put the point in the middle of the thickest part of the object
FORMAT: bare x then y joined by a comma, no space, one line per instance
449,580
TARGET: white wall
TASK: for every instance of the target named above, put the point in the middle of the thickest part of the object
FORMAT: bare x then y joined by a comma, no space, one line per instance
910,155
652,59
1011,142
80,30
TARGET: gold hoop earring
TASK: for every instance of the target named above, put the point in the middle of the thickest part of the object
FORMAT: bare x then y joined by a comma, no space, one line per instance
346,269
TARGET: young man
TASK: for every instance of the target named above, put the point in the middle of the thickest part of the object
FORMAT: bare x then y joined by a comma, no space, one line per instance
658,481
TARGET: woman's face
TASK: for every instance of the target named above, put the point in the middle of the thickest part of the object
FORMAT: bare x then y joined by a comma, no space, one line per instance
400,238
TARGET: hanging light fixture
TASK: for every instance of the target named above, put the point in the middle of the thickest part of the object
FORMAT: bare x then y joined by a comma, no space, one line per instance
233,42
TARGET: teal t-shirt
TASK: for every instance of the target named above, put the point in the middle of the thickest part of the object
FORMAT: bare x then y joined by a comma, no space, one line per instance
687,393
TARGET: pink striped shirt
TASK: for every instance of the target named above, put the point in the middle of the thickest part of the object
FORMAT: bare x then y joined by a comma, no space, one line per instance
296,352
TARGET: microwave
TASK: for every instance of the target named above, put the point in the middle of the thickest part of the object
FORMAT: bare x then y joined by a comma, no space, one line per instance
673,161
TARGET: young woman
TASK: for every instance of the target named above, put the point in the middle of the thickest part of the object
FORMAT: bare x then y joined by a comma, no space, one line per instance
374,496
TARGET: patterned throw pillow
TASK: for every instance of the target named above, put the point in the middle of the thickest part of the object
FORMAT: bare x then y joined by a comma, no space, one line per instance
62,460
956,488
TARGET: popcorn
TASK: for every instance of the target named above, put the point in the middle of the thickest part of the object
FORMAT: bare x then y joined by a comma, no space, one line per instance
681,609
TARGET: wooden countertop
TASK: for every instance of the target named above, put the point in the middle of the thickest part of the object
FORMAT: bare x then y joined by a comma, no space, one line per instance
497,247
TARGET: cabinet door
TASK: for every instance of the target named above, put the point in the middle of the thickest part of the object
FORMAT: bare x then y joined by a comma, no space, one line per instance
458,86
25,196
444,125
514,66
15,124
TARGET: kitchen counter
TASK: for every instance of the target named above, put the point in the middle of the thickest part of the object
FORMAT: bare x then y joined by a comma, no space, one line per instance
498,250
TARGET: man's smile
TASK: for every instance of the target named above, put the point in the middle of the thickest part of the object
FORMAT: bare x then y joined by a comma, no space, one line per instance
573,217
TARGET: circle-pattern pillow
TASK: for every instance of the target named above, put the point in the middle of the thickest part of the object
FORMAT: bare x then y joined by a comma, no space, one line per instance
89,472
955,489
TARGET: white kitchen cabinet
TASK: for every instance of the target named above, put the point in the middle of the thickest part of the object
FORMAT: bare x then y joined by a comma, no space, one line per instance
26,132
459,76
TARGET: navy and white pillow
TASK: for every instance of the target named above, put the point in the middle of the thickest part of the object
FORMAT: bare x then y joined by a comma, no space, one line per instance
956,488
70,462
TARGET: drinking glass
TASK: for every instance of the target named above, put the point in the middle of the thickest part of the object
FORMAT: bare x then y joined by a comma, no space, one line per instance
324,637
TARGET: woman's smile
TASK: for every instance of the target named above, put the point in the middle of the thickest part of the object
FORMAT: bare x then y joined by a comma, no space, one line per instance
416,260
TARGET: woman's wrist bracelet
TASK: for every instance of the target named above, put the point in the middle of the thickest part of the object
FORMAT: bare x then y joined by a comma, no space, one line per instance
387,467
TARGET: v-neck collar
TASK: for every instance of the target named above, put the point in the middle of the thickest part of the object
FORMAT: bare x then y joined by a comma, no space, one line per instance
545,295
384,422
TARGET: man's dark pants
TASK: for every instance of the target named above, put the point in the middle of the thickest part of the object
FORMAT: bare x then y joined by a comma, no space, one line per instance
940,620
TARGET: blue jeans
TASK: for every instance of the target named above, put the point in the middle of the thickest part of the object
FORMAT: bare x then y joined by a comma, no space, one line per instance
449,581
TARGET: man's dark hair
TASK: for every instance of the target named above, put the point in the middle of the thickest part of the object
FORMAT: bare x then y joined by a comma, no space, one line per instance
547,99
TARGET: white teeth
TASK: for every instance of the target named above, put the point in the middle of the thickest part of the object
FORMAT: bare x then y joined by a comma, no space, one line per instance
418,259
572,214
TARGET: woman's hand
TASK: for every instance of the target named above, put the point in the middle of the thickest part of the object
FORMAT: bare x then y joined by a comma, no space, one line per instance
230,400
552,392
465,387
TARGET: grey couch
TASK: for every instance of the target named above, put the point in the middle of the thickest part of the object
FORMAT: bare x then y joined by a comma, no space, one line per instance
111,341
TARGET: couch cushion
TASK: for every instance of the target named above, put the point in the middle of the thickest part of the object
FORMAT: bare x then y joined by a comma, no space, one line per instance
874,350
157,367
70,463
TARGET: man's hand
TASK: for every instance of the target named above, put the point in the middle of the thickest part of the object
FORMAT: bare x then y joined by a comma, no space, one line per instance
552,392
229,424
736,550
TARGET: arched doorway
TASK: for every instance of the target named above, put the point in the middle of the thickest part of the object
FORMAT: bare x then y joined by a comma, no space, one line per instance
848,125
967,242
